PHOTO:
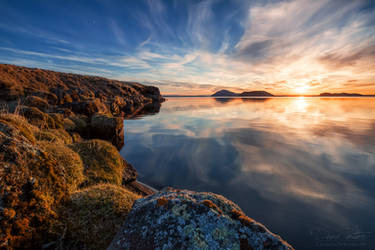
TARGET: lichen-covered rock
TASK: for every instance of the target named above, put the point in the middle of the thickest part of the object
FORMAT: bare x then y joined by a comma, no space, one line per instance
182,219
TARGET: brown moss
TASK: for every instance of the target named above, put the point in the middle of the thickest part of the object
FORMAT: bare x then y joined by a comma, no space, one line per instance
32,185
94,215
102,161
210,204
161,202
30,194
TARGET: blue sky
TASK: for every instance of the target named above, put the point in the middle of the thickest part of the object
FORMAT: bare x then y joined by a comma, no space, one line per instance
197,47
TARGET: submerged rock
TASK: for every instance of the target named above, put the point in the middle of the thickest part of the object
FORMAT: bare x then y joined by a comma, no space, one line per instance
175,219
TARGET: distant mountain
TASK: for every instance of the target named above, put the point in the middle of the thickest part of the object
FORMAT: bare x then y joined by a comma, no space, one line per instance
340,94
225,92
255,93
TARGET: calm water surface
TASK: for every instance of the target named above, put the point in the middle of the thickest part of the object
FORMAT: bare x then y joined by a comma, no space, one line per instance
304,167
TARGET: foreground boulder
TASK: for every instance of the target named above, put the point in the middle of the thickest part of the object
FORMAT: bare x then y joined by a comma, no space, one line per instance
175,219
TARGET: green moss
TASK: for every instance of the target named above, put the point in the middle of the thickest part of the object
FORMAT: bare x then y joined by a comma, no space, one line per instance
102,161
94,215
68,160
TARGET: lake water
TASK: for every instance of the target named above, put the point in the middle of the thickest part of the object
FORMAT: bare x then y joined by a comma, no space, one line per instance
304,167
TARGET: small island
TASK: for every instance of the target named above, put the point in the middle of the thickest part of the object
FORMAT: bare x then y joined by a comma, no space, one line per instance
227,93
340,94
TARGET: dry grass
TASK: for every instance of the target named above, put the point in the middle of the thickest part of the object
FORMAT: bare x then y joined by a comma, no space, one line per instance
102,162
38,118
35,101
68,124
95,214
20,123
54,135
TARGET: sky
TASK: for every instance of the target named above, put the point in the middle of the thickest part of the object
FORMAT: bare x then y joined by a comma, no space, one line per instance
198,47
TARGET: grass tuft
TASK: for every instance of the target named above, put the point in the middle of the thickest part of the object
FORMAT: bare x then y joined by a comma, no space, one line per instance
102,162
69,162
95,214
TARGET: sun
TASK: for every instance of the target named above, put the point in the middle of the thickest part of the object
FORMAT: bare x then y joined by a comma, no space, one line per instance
301,89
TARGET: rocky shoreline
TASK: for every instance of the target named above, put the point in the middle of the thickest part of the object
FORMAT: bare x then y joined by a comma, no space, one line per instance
64,185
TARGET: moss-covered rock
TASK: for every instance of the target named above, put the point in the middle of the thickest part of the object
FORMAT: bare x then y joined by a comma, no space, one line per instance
68,160
32,185
102,161
94,215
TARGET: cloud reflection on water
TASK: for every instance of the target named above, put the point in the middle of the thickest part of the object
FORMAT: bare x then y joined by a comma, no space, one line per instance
312,158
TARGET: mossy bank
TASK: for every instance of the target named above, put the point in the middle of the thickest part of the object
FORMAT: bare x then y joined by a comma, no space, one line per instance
60,169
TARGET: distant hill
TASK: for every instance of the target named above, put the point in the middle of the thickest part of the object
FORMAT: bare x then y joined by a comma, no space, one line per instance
225,92
255,93
340,94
